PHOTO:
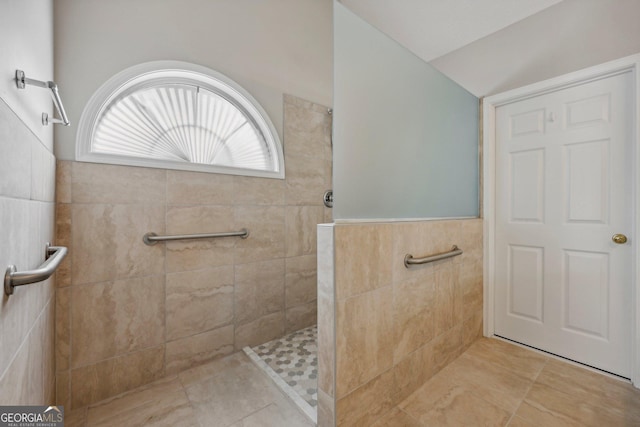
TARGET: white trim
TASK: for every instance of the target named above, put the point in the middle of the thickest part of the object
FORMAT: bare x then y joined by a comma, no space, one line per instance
386,220
123,80
630,63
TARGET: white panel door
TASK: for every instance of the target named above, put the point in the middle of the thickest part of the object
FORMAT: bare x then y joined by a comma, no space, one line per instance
563,189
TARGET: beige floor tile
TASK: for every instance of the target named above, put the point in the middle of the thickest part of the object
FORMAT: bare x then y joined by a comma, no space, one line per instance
76,418
231,395
550,407
593,388
397,418
440,402
491,382
209,370
523,362
167,410
133,399
519,422
275,415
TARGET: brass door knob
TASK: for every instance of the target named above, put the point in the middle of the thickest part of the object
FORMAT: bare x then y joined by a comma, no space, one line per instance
619,239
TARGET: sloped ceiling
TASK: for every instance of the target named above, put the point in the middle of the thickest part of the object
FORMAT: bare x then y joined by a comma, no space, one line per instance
490,46
432,28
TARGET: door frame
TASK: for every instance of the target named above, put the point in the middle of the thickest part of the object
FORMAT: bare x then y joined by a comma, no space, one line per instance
489,104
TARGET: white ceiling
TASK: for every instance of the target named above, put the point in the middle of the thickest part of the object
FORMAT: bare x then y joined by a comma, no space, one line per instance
432,28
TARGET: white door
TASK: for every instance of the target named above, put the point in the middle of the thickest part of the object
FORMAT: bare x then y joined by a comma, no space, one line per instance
563,189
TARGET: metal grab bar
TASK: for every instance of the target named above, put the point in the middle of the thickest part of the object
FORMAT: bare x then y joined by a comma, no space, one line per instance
152,238
410,260
12,278
22,81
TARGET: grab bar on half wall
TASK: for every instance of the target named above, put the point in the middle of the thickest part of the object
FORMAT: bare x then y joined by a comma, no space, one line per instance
12,277
410,260
152,238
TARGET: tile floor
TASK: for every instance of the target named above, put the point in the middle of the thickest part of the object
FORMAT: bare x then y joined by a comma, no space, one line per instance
228,392
495,383
294,358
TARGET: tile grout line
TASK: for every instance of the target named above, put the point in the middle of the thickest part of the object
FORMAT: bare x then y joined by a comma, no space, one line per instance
533,381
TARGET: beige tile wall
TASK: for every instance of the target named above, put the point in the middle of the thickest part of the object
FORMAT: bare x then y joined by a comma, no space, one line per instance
128,313
27,173
394,327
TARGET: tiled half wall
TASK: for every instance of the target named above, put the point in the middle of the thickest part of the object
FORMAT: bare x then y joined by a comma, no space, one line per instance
128,313
383,329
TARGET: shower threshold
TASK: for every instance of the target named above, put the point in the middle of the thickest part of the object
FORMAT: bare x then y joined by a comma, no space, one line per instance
292,363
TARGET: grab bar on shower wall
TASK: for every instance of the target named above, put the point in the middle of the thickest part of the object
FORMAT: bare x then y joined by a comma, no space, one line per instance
410,260
22,81
12,278
152,238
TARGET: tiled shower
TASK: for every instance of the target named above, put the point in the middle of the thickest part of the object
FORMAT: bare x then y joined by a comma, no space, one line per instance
128,314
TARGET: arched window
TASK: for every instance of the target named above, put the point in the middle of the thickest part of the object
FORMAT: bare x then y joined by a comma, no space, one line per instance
177,115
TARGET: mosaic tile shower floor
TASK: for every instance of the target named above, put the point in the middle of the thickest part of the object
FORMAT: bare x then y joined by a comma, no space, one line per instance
294,359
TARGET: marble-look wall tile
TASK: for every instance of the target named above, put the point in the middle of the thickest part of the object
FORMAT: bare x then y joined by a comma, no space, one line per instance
266,238
18,379
364,338
471,284
63,181
448,298
326,410
15,155
47,338
112,318
471,329
305,183
471,239
413,315
198,301
110,184
21,309
28,378
250,191
63,389
301,316
197,188
306,134
259,289
43,166
326,315
27,177
362,258
300,228
114,249
188,352
306,131
197,254
63,329
301,280
447,347
63,238
369,402
92,383
259,331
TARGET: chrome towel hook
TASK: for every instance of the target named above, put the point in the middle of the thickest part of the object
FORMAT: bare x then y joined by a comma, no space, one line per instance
22,81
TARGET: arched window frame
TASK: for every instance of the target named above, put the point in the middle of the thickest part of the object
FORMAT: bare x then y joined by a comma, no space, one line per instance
139,76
